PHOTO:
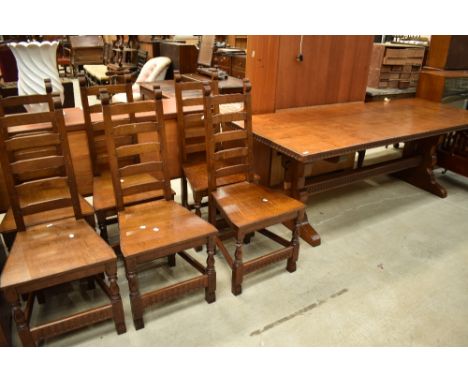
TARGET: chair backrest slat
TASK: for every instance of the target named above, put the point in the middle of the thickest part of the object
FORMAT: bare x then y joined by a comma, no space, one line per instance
137,149
36,164
151,156
46,205
26,141
231,170
229,139
133,128
231,117
195,132
142,187
231,153
31,186
227,136
192,101
141,168
196,148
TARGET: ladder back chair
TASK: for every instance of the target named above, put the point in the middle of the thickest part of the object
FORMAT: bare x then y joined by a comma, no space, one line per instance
245,206
103,193
191,130
155,229
31,126
60,251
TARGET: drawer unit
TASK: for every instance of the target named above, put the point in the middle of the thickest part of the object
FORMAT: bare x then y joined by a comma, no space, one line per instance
395,66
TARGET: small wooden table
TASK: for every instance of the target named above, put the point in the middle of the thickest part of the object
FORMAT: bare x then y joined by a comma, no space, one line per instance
305,135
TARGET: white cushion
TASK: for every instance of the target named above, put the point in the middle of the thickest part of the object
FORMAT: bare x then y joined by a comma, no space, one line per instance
154,69
122,97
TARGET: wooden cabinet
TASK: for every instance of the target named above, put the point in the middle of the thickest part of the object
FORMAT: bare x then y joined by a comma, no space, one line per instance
183,56
448,52
238,66
334,69
146,44
237,41
86,50
395,66
223,62
233,64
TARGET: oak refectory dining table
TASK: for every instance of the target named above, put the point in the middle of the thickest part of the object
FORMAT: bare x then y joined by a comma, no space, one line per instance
306,135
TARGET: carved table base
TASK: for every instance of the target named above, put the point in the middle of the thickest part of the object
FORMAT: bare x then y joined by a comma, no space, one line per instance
415,167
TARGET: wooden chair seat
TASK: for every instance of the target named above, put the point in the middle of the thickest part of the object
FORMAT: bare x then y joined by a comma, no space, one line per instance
249,206
103,192
8,224
44,251
160,227
197,175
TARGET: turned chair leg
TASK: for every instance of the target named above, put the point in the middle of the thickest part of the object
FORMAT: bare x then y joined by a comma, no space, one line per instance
40,297
20,318
101,218
248,237
184,196
361,156
171,260
9,239
291,264
237,267
135,298
210,290
197,199
116,300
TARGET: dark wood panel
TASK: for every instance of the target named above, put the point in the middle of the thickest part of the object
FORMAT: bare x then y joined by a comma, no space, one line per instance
434,85
334,69
183,56
448,52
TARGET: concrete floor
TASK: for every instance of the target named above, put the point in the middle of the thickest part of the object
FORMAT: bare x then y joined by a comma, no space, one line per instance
392,270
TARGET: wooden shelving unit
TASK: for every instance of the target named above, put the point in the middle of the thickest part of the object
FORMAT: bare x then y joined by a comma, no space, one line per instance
395,66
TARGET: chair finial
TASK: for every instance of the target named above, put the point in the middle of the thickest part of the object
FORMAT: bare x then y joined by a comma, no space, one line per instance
206,88
82,79
48,85
157,92
247,85
104,95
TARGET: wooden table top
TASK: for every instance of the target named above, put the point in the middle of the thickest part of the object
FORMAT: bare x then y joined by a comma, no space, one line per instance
326,131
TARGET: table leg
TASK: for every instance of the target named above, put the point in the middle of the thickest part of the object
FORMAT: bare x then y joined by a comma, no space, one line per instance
294,181
423,176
